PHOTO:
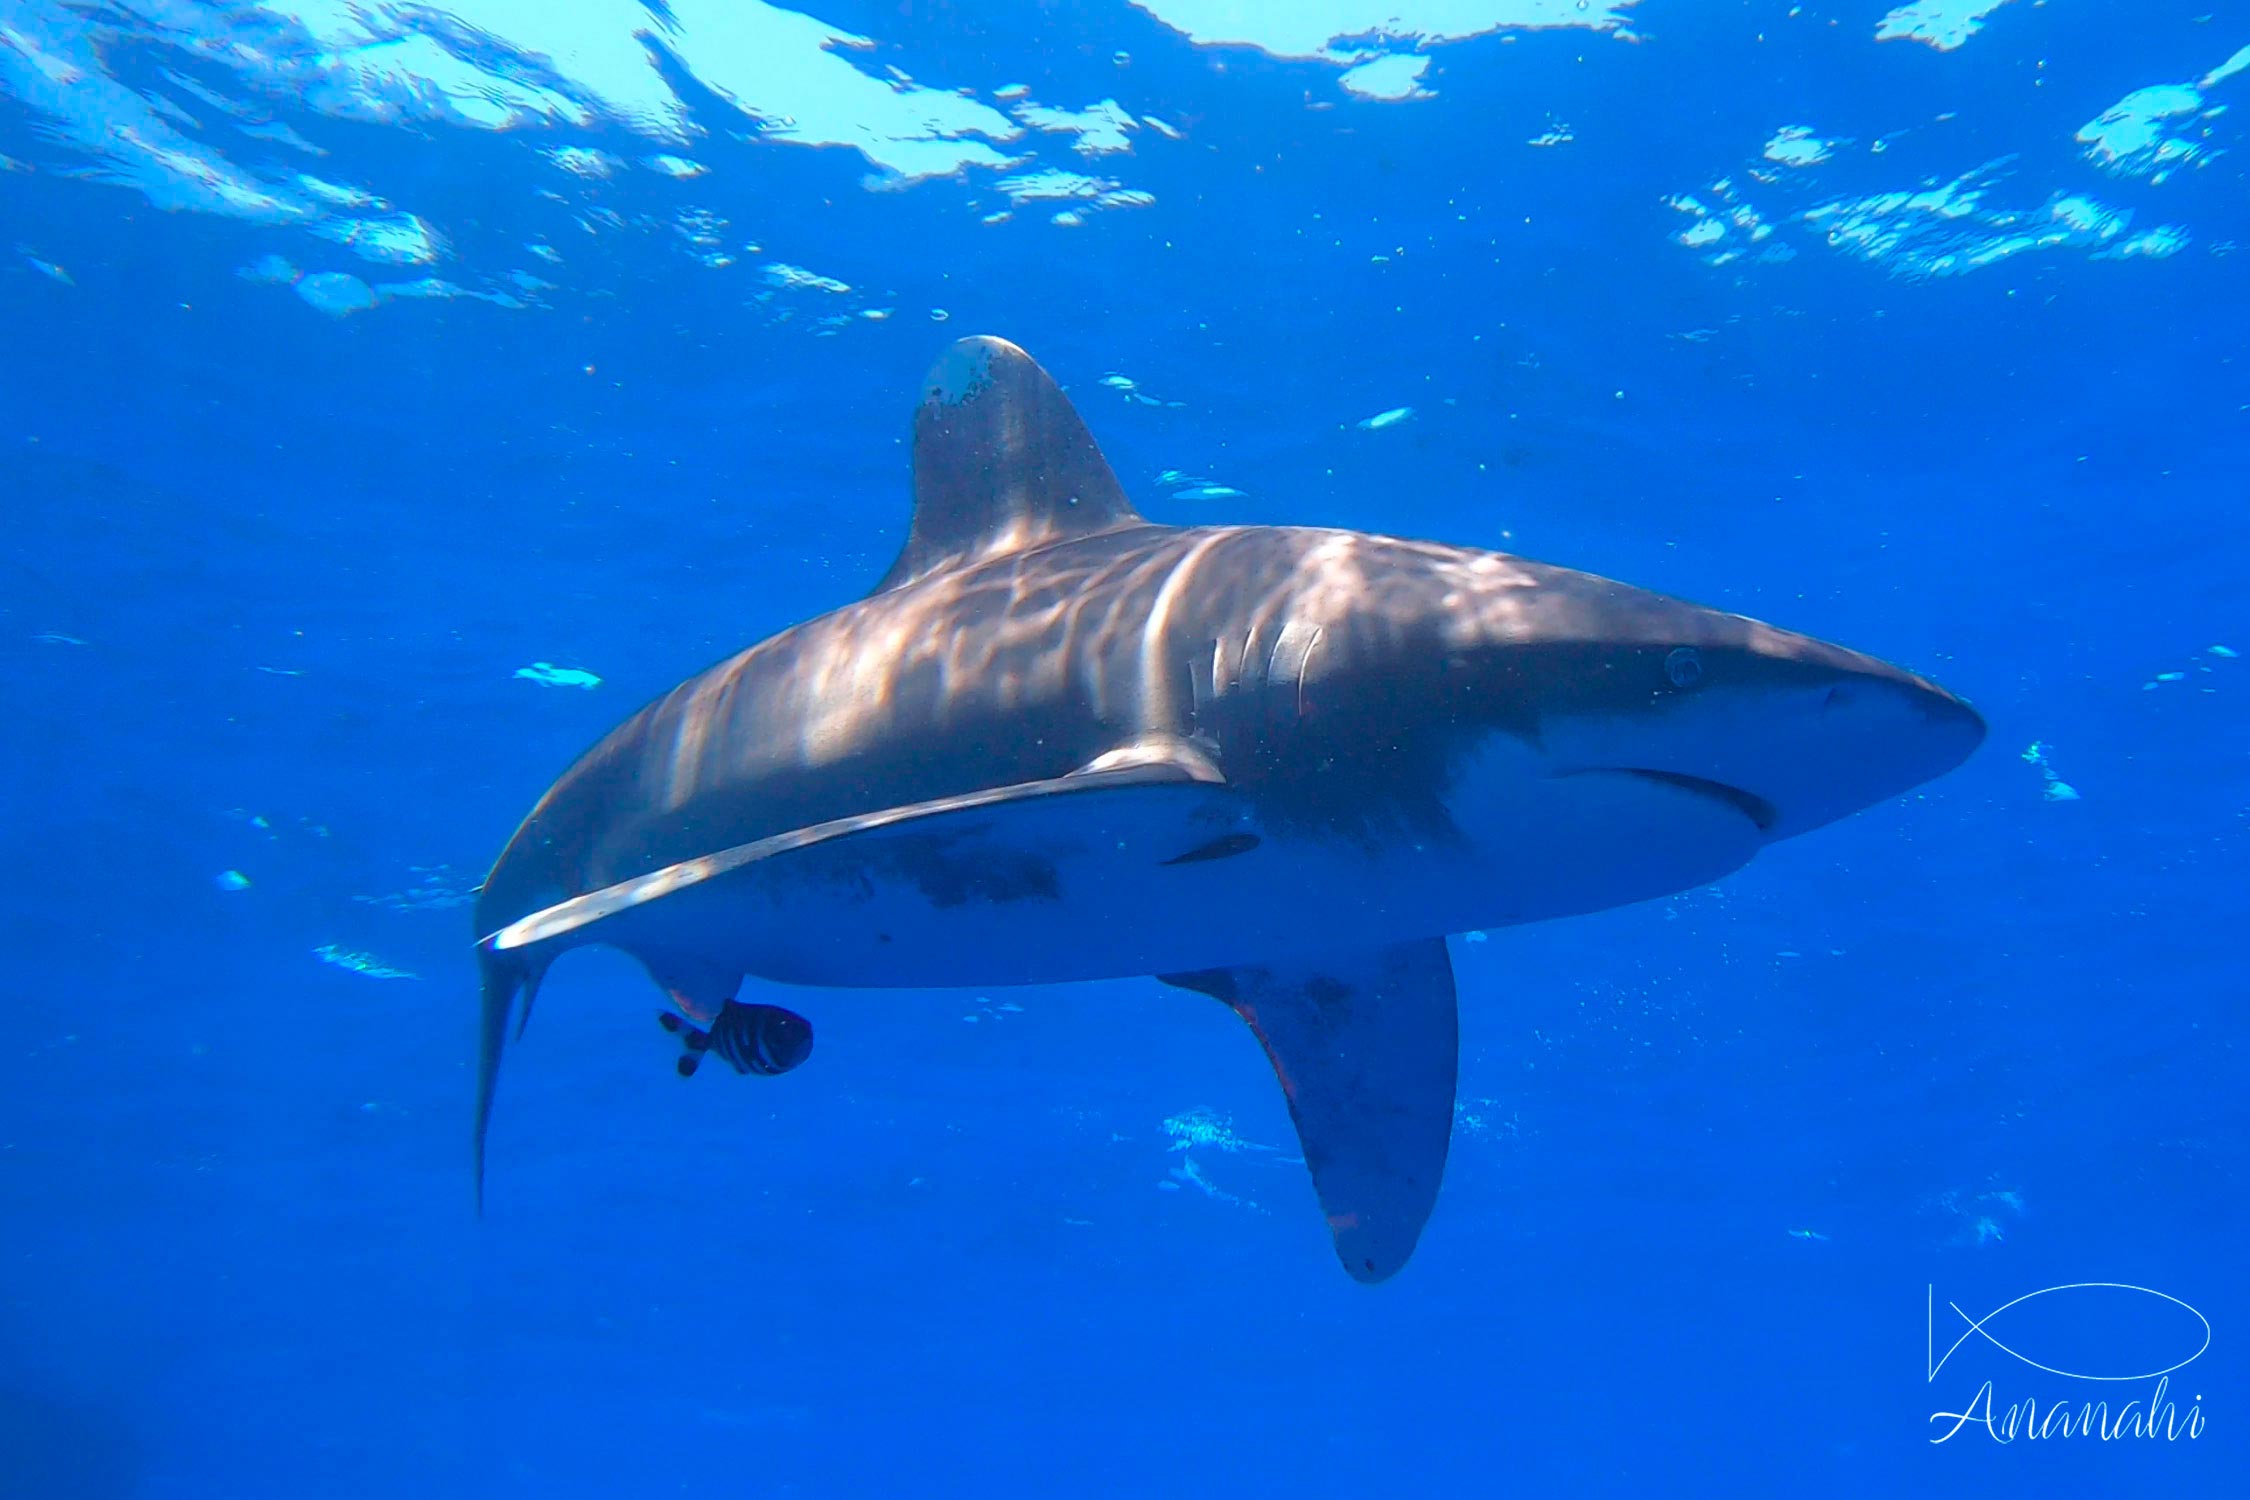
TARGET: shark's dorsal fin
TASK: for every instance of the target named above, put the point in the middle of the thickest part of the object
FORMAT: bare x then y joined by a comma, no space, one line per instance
1002,463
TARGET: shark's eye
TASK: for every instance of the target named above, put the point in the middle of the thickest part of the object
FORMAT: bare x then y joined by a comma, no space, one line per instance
1683,666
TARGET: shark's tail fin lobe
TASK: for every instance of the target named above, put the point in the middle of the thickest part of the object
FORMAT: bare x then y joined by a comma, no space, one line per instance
1366,1047
530,994
502,980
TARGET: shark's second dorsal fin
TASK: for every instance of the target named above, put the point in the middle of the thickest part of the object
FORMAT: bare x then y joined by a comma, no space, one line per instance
1002,463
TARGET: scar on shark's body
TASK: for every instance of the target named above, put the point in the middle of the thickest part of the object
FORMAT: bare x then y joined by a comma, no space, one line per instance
1274,765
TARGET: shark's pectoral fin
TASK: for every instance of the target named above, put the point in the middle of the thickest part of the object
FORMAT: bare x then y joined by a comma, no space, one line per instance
1366,1048
899,870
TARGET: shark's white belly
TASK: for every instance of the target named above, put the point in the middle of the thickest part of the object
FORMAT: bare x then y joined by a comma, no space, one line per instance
1095,886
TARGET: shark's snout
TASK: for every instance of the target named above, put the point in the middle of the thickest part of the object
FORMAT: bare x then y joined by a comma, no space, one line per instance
1788,731
1812,733
1927,730
1868,736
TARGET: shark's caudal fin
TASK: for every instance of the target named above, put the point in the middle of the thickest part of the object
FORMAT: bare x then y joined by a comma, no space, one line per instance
1366,1048
503,978
1002,463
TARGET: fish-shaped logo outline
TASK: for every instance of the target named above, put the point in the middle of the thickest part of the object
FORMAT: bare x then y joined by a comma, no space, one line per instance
1979,1327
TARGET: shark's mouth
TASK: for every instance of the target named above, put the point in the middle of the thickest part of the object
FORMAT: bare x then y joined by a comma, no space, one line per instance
1752,806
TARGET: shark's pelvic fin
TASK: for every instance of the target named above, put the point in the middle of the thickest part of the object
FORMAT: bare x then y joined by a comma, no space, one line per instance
1002,463
700,990
1366,1049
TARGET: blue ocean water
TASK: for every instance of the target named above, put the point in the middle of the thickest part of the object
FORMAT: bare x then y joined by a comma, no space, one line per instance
359,360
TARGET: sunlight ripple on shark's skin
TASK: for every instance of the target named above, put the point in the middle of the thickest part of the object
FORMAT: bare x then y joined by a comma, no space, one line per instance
1276,765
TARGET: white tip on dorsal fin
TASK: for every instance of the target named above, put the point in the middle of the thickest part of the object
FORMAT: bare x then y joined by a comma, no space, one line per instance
1002,463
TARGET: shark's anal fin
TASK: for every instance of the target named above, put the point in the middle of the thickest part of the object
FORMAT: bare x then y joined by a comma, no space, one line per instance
1002,463
1366,1047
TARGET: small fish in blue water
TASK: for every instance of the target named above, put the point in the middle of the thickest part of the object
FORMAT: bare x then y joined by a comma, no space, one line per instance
46,268
547,674
754,1038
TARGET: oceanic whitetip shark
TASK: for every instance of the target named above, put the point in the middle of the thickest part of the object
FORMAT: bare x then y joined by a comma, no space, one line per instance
1276,765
